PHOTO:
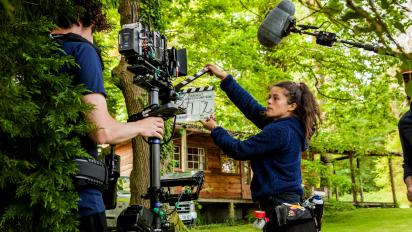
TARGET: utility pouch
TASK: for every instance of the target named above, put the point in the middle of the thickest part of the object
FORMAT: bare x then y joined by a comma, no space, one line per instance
91,173
112,162
288,214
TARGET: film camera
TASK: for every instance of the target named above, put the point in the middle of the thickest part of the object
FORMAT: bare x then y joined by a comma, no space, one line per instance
150,59
154,66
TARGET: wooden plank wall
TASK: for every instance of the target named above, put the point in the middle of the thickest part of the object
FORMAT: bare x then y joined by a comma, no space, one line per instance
222,186
217,185
125,152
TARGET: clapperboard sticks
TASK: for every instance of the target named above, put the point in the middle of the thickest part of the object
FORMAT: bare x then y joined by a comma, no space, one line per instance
197,89
190,79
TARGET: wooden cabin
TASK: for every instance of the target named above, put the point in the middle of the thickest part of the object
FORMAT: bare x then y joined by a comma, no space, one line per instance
227,182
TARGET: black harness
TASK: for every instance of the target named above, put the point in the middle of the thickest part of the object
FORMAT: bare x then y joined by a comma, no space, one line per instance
71,37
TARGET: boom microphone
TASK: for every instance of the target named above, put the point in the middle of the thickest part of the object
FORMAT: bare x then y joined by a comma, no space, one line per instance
277,24
280,23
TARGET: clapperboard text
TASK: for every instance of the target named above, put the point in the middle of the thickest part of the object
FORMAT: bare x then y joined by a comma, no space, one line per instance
199,104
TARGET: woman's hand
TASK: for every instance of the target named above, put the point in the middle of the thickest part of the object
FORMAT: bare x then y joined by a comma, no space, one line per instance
215,70
209,123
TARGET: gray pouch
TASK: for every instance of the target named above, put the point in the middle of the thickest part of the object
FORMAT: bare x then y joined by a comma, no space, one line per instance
281,214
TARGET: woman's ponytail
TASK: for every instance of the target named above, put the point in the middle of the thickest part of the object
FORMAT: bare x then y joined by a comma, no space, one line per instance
307,109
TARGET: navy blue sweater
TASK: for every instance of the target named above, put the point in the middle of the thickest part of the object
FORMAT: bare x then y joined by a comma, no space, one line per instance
275,152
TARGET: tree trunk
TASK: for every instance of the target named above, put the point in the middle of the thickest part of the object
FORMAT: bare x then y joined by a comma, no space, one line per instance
352,177
360,179
135,98
325,178
336,188
231,213
391,179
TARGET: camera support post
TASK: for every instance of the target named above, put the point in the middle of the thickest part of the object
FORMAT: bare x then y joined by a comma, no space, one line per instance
155,188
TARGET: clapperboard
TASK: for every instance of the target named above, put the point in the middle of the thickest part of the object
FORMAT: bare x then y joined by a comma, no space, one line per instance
199,104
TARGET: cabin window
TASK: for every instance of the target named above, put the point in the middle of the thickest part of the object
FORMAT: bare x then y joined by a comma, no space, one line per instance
195,158
228,165
177,158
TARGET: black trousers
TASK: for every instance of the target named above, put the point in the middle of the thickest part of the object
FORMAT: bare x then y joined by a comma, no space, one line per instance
269,204
93,223
308,226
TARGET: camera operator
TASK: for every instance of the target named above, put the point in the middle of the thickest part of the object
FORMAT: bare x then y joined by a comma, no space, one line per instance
405,133
76,39
287,123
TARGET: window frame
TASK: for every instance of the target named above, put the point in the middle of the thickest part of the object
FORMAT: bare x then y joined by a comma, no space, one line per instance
179,168
201,158
236,162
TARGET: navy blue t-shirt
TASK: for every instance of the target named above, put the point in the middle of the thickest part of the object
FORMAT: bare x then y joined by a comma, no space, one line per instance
89,73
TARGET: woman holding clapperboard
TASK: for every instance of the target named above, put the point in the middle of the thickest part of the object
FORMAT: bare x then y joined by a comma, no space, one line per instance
287,122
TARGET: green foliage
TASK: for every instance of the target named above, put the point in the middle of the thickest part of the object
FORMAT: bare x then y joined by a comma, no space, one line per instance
381,177
312,172
379,19
177,223
334,207
40,121
107,41
151,13
166,150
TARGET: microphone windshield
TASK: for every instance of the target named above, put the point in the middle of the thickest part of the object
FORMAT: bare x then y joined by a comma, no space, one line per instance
276,24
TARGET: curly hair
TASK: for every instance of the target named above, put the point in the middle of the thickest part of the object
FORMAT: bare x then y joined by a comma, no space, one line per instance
88,12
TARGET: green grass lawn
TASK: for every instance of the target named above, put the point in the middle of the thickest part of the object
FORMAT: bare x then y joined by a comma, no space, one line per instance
225,228
371,220
359,220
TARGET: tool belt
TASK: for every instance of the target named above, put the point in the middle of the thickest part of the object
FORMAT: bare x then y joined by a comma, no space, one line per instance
305,217
91,173
288,214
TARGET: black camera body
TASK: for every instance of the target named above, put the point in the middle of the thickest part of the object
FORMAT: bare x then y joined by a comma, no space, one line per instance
150,59
154,66
135,40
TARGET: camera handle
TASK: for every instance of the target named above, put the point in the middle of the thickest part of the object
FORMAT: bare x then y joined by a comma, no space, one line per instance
165,111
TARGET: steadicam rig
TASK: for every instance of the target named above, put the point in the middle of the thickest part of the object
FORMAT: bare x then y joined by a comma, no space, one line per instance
154,67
